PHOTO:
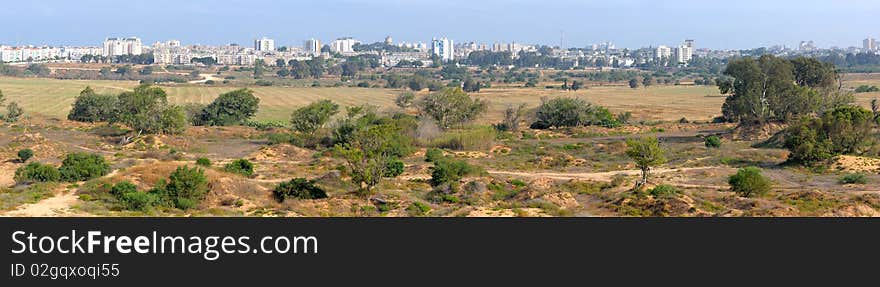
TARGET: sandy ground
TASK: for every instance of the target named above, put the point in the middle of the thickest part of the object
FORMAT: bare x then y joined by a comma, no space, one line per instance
57,206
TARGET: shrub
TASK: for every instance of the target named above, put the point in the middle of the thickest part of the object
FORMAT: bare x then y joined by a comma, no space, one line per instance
83,166
122,188
393,168
713,142
231,108
448,171
203,161
298,188
663,191
186,186
240,166
433,154
571,112
139,200
845,130
452,107
281,138
418,209
36,172
309,119
25,154
853,178
748,182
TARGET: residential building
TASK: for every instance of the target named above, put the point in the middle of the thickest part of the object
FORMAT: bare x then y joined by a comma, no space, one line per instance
869,44
122,46
312,47
443,48
343,45
662,52
807,46
264,45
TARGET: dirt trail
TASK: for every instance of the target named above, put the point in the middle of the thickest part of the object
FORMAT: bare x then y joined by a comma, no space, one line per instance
596,176
58,206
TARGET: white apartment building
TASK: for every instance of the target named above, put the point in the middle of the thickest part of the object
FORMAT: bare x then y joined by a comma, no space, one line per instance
443,48
122,46
312,47
662,52
343,45
869,44
264,45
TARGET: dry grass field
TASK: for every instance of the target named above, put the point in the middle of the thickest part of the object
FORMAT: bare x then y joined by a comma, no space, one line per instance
53,98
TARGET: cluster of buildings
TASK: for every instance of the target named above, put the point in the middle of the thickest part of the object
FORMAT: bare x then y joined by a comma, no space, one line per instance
443,49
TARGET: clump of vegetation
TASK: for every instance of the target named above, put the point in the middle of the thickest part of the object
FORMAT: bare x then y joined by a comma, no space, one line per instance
749,182
309,119
203,161
712,142
448,172
231,108
664,191
571,112
92,107
298,188
853,178
240,166
36,172
647,153
25,154
451,107
867,89
845,130
145,110
418,209
185,188
474,138
372,146
83,166
433,154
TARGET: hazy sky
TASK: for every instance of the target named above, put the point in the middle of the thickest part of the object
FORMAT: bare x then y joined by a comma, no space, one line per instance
627,23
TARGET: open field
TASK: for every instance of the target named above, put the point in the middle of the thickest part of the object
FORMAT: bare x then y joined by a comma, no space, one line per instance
53,97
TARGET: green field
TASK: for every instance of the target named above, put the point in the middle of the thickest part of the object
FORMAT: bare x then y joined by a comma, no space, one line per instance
53,98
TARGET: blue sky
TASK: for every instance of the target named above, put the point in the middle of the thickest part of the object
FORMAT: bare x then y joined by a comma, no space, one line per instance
627,23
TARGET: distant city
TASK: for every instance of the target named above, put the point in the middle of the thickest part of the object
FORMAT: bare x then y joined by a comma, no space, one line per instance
173,52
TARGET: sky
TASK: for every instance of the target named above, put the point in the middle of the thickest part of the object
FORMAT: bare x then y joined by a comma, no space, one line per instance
728,24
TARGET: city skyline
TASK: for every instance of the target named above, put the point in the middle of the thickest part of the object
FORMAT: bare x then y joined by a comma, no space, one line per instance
578,24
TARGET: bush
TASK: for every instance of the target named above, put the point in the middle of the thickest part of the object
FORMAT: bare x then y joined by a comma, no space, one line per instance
853,178
122,188
203,161
298,188
139,200
91,107
713,142
186,187
231,108
83,166
240,166
845,130
748,182
25,154
433,154
393,168
663,191
572,112
449,171
452,107
36,172
418,209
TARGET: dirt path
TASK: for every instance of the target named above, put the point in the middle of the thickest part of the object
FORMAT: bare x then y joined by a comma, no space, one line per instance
58,206
596,176
208,77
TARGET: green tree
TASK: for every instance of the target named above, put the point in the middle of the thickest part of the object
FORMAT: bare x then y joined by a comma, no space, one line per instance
91,107
144,110
13,112
231,108
259,69
845,130
647,153
633,83
452,106
372,152
311,118
647,81
749,181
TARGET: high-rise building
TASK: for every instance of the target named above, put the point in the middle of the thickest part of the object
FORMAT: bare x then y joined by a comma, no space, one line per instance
443,48
122,46
264,45
662,52
312,47
343,45
807,46
869,44
389,41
